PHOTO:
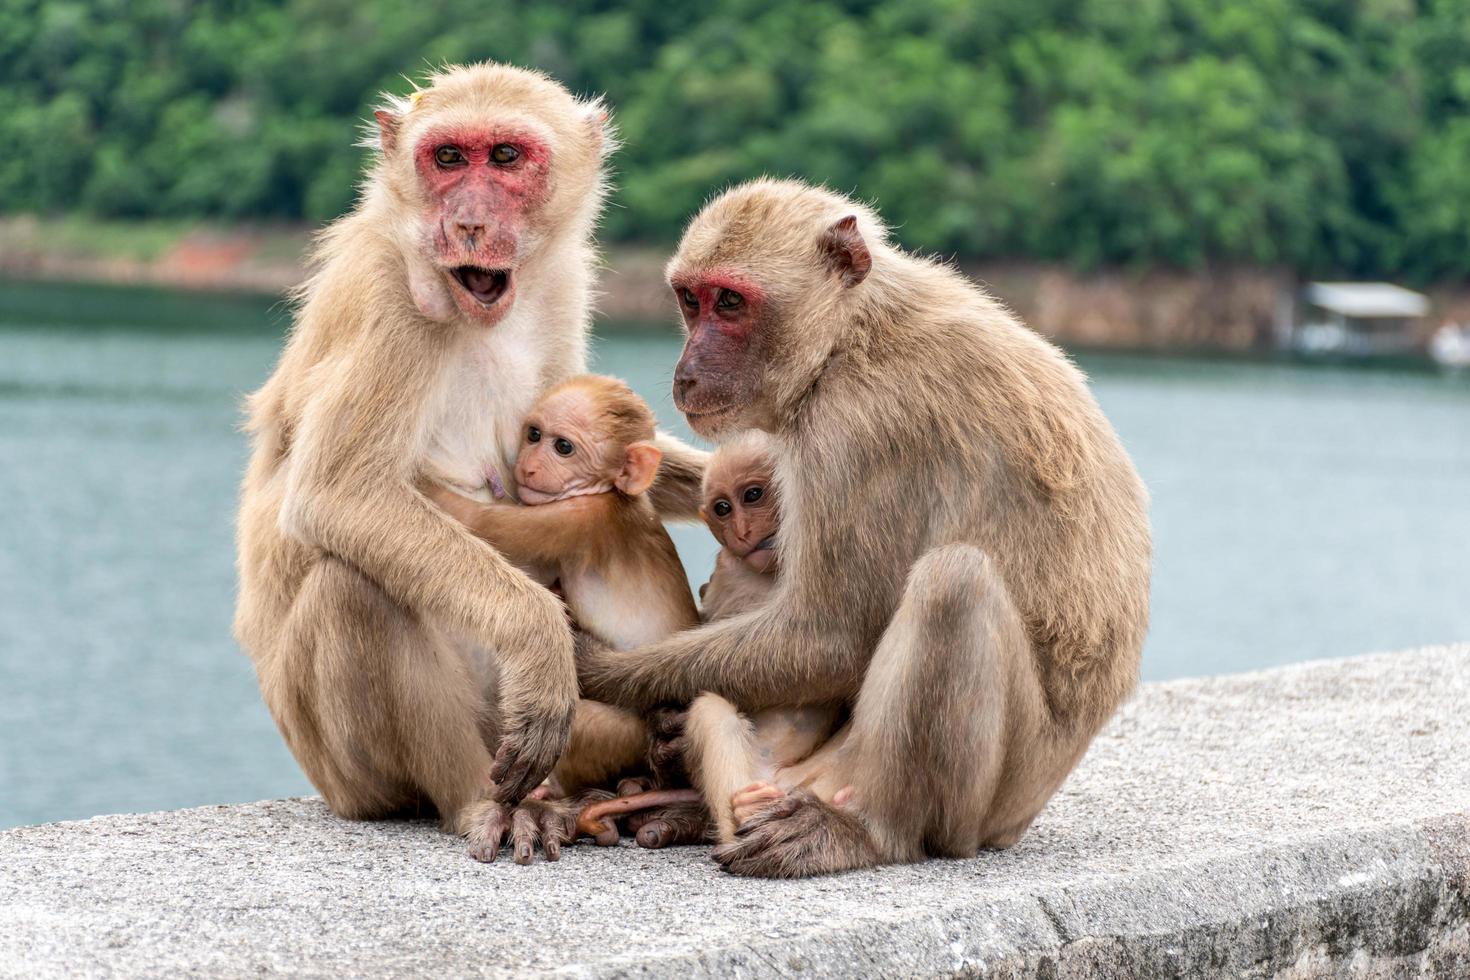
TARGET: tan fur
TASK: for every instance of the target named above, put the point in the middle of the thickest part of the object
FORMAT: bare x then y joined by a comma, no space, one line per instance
618,568
394,649
726,750
965,544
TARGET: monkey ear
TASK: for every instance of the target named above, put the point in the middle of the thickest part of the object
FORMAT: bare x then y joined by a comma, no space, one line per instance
845,252
599,124
387,129
640,467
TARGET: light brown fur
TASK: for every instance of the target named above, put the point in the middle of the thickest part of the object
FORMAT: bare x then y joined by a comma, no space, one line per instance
726,750
965,544
598,535
395,650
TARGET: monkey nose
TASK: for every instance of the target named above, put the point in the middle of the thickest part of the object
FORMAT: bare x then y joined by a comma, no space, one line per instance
469,230
683,384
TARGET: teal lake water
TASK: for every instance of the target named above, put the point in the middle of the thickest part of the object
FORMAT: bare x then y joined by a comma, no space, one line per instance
1298,512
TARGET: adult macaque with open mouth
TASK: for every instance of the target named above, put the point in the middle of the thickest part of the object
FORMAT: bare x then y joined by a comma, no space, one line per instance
410,667
964,544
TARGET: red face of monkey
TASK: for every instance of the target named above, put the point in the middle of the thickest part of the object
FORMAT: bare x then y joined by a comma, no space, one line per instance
756,284
723,313
484,185
477,172
741,508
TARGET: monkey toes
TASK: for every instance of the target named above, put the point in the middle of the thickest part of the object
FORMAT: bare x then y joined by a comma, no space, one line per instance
746,803
671,826
796,836
548,823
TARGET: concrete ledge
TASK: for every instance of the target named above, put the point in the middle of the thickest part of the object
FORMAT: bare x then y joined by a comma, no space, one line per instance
1307,821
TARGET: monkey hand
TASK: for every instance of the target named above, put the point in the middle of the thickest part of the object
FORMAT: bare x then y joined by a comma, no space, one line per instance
538,697
528,752
666,744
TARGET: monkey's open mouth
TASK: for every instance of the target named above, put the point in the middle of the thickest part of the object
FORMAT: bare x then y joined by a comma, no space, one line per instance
485,285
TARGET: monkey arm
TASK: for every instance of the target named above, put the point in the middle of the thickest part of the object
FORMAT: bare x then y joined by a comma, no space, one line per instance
349,492
544,534
758,659
676,492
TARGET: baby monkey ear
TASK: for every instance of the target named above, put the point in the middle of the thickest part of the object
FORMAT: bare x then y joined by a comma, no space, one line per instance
640,467
845,251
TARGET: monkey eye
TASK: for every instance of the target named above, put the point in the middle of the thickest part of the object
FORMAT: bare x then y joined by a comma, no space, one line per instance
752,494
722,508
503,153
533,434
687,297
449,156
729,300
563,447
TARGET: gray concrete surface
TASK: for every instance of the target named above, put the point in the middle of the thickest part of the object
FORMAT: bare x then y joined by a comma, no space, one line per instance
1307,821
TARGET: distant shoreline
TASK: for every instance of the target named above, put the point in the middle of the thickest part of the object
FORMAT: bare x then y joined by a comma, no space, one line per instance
1230,308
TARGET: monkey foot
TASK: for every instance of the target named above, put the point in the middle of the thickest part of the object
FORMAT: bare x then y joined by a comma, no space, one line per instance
796,836
670,826
547,823
597,819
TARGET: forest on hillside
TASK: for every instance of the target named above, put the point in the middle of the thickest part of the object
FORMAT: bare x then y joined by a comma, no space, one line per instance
1330,136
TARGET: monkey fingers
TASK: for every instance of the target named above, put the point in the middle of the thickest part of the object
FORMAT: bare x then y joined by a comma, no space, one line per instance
746,803
666,743
796,836
550,823
526,756
594,820
670,826
633,785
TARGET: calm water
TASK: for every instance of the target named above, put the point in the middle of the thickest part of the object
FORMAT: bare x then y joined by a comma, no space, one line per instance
1299,513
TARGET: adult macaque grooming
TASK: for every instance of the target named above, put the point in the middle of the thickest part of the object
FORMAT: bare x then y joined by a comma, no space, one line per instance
586,462
408,665
964,544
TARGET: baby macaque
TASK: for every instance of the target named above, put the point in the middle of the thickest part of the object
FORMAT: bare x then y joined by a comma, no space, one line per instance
735,759
585,463
584,466
740,510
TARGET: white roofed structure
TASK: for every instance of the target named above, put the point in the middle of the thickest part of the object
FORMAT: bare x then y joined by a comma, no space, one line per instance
1356,319
1371,300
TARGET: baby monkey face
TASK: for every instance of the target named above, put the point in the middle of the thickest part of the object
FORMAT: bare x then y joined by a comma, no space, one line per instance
588,435
562,453
741,508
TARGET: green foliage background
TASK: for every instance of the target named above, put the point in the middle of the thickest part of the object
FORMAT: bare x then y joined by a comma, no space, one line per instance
1328,135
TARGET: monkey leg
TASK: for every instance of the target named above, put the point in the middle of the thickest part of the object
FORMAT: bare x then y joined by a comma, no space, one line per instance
950,746
385,719
606,742
722,756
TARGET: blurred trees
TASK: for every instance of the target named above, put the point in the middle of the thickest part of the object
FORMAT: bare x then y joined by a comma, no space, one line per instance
1329,135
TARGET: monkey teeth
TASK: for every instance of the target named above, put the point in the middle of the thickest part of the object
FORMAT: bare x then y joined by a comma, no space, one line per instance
485,285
